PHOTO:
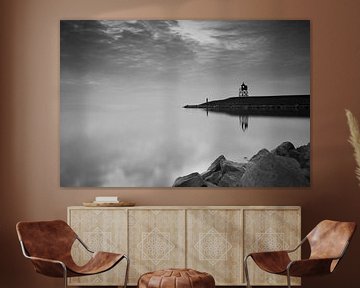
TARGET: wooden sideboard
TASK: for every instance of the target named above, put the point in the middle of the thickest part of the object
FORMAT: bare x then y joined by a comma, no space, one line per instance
212,239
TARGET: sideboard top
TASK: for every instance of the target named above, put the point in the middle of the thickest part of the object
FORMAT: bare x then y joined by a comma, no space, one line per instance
192,207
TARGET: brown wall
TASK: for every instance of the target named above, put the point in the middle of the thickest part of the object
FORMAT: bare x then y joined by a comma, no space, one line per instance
29,118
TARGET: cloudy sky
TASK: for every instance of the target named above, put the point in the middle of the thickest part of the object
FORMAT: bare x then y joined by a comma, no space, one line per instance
123,84
204,57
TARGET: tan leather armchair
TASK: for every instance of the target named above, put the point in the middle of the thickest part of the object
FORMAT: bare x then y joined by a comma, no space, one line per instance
328,242
48,245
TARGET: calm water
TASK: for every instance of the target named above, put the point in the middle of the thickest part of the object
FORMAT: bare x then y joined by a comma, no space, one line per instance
128,145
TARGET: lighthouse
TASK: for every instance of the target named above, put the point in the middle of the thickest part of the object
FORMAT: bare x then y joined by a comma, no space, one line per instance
243,91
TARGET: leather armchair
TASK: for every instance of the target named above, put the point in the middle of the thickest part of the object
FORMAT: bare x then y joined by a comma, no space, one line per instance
328,243
48,245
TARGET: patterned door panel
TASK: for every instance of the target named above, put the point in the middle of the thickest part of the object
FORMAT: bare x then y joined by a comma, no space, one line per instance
101,230
270,230
214,242
157,240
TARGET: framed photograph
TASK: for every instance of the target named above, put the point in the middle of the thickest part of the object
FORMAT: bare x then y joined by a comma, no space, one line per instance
182,103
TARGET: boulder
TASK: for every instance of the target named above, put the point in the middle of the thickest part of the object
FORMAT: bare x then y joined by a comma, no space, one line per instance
294,154
209,184
215,166
285,166
306,173
214,177
259,155
191,180
231,179
228,165
283,149
304,156
274,171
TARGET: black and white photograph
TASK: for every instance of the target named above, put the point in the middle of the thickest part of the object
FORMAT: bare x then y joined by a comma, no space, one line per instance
185,103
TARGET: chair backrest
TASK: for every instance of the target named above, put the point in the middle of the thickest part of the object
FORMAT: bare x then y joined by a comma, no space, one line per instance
46,239
329,239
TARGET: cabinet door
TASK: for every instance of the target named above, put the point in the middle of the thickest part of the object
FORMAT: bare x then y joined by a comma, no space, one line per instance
100,230
156,240
271,230
214,244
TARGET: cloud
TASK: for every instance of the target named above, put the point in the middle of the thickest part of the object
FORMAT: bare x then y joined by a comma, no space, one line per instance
121,45
153,50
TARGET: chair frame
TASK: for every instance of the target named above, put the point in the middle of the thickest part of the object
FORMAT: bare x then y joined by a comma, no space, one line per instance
26,255
288,276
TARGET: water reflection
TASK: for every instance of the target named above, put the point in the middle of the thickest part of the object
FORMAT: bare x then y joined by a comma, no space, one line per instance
244,122
174,143
244,118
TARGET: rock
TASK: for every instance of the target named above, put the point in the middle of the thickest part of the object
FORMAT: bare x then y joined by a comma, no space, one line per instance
306,173
214,178
304,156
209,184
215,166
191,180
294,154
283,149
231,179
259,155
285,166
274,171
228,165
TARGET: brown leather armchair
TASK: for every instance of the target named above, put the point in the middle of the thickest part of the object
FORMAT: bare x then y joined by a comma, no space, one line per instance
328,242
48,245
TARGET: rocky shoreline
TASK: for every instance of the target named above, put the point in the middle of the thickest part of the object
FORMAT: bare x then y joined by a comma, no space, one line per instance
284,166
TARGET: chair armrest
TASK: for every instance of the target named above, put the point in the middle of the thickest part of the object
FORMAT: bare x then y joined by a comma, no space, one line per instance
45,260
268,253
280,251
83,244
309,267
48,267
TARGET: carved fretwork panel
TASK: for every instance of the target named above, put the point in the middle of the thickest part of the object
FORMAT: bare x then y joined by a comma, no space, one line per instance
156,240
214,241
270,230
101,230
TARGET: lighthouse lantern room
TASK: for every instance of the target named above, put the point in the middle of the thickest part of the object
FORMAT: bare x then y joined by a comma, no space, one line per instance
243,91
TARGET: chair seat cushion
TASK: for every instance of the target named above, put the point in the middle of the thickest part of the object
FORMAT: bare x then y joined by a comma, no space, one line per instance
176,278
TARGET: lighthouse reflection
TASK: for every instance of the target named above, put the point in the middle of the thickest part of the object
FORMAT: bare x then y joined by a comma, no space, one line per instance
243,119
264,115
244,122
